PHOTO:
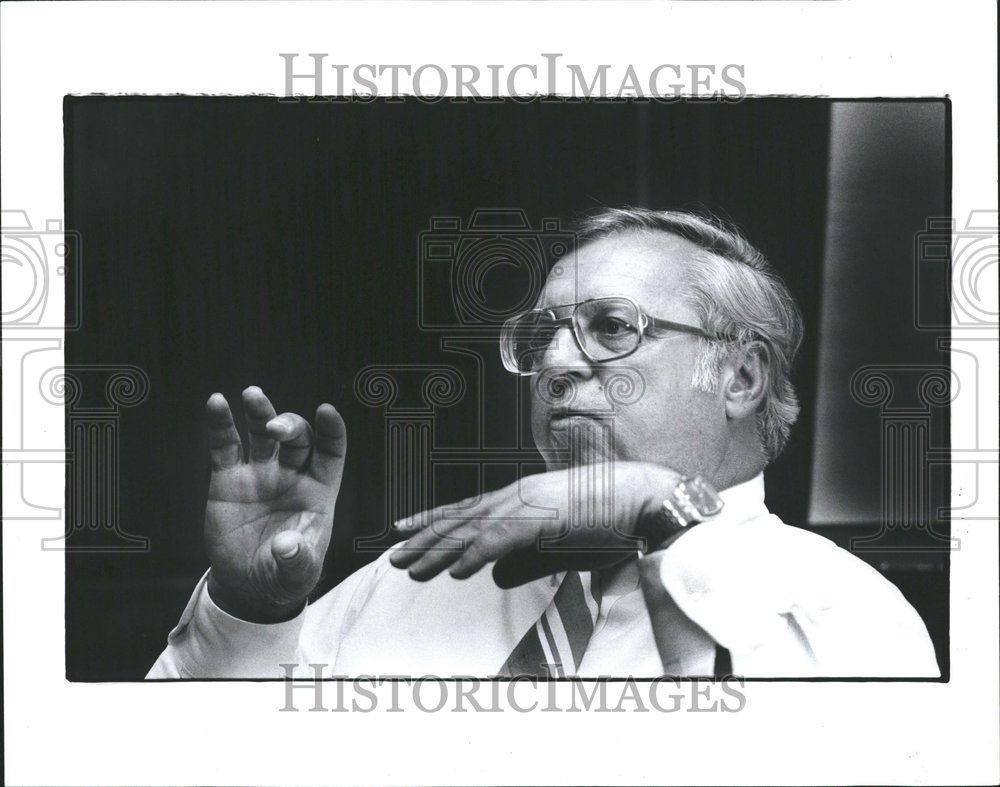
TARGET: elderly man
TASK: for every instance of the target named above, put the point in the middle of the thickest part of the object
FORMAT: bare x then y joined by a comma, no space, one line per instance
645,549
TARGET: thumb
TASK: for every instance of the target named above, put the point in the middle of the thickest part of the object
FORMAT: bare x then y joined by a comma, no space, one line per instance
294,563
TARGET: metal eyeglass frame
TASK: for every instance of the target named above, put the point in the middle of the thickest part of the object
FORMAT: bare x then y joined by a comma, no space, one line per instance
645,321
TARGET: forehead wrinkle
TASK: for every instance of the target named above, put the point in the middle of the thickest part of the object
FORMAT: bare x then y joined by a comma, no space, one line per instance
604,291
660,278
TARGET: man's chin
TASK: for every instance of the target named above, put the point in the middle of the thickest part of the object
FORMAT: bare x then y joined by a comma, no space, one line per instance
578,441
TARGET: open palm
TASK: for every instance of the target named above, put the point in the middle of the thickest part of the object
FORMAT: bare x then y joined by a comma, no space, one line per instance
269,517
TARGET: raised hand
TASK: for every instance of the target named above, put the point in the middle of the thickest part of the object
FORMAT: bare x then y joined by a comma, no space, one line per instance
269,518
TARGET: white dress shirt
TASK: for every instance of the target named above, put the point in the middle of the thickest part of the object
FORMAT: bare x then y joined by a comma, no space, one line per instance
782,601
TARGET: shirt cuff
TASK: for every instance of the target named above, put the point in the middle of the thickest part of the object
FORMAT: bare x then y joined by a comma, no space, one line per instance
209,642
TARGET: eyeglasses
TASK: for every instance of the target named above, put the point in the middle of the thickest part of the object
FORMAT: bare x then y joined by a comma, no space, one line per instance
605,329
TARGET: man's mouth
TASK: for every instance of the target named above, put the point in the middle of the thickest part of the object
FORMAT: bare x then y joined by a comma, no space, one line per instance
562,417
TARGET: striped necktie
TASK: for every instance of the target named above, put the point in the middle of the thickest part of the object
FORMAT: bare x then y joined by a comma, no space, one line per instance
555,645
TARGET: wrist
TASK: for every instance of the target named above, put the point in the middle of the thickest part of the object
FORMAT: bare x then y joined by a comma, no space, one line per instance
658,483
246,608
675,505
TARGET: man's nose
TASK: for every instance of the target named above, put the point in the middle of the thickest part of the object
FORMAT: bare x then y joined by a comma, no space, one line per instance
564,355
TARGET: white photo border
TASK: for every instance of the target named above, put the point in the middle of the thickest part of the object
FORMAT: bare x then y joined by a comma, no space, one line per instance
232,732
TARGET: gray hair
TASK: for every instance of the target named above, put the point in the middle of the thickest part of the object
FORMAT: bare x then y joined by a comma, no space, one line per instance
738,295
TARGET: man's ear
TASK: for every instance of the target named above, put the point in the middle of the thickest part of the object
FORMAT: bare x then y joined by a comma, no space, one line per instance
746,380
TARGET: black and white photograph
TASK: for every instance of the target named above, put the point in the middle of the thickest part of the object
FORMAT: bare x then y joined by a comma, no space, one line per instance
544,388
492,395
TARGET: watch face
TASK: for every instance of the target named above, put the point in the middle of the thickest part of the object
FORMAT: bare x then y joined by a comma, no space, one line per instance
703,496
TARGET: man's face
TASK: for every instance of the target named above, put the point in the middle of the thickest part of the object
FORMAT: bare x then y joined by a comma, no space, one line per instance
667,421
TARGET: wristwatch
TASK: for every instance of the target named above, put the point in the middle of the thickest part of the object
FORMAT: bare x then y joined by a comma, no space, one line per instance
691,501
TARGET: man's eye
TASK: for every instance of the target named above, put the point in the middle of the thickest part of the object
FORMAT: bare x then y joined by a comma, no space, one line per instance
612,326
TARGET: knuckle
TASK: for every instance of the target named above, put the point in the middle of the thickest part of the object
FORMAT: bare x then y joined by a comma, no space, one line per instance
501,529
476,551
492,538
460,541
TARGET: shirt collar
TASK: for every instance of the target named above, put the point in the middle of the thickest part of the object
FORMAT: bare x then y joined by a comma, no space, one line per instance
743,501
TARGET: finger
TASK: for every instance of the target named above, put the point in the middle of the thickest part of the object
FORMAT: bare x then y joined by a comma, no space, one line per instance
330,450
456,512
294,434
435,536
297,570
446,551
258,410
224,444
492,544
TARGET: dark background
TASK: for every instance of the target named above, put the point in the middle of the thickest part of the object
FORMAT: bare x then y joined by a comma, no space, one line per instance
238,241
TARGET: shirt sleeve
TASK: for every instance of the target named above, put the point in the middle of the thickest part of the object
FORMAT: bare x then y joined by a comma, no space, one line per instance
208,642
785,603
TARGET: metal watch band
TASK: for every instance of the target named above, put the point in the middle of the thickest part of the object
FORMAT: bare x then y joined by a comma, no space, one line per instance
692,500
